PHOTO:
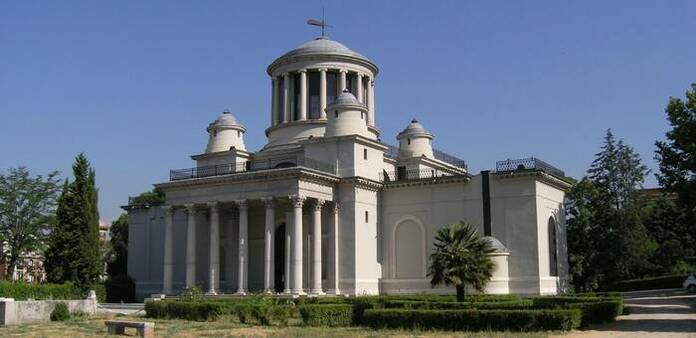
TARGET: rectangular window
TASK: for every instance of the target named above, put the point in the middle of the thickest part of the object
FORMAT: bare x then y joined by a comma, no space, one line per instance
281,100
313,86
367,217
331,87
365,154
296,95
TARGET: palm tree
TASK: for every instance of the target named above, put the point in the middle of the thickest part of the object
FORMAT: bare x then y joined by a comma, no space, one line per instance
461,257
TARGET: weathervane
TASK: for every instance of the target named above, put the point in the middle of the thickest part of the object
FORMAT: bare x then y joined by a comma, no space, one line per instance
321,23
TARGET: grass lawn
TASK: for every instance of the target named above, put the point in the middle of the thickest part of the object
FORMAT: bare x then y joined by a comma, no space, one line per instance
94,327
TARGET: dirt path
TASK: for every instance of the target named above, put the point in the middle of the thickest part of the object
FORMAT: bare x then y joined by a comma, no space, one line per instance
667,313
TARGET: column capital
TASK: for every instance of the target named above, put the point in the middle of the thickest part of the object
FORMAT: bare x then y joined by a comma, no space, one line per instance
214,206
318,204
333,207
268,202
297,201
360,74
190,208
242,204
286,74
168,209
323,69
343,70
302,71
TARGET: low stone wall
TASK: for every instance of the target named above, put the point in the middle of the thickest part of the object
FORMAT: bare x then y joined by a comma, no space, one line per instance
39,311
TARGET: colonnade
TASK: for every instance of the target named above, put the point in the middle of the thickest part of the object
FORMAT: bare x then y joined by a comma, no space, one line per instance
293,249
284,93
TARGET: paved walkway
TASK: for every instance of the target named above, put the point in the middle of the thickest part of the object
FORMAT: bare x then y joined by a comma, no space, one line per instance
661,313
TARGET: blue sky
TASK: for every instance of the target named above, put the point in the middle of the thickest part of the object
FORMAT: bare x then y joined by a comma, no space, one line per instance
133,84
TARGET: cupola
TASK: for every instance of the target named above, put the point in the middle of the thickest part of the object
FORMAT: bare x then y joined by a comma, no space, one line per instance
347,116
225,133
415,141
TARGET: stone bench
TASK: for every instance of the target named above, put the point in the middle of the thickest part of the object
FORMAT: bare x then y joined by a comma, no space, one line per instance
144,329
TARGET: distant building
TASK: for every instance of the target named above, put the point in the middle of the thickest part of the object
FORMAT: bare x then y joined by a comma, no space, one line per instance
104,234
29,269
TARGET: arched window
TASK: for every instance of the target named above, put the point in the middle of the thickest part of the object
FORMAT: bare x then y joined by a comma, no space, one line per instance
553,259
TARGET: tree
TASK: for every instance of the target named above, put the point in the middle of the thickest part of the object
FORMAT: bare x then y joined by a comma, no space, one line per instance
118,256
461,257
74,251
603,214
666,223
26,209
677,158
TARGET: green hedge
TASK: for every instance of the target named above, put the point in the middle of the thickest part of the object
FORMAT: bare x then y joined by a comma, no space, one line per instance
650,283
261,313
24,291
474,320
422,305
594,309
327,314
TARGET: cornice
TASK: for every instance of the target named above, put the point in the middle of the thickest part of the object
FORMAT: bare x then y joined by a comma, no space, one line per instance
237,152
301,173
537,175
362,182
428,181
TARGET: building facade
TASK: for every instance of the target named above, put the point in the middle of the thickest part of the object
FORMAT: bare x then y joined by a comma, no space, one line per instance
326,207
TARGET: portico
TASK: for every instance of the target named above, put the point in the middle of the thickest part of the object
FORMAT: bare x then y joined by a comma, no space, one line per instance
297,206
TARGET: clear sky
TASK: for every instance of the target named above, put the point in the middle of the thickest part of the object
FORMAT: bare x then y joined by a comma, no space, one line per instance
133,84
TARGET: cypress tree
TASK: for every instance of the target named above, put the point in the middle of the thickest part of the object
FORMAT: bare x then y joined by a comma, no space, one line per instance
74,253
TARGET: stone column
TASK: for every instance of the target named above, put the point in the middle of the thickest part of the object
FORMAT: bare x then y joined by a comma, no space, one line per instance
168,249
342,82
359,88
296,281
268,264
243,247
371,102
288,251
303,94
322,93
274,101
191,246
214,262
287,117
332,251
315,287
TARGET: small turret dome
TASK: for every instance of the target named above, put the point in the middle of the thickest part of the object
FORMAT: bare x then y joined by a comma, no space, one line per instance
497,245
225,133
415,141
347,116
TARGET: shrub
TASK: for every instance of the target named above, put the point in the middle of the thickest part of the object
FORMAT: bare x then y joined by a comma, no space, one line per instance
474,320
327,314
199,311
60,313
409,304
192,294
650,283
156,309
120,289
24,291
594,309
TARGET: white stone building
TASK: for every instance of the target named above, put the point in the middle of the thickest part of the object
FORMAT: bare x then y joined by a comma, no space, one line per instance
326,207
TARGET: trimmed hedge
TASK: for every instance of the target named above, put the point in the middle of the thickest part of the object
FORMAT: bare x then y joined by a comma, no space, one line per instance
650,283
199,311
327,314
422,305
24,291
474,320
594,309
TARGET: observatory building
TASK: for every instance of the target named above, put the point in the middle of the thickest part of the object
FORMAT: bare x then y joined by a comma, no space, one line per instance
328,206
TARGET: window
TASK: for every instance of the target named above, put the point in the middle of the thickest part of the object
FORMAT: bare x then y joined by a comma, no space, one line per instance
281,100
336,113
409,141
367,217
296,96
553,261
331,87
239,133
365,154
350,82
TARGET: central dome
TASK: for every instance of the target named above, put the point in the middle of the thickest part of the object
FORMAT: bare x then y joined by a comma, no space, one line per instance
323,47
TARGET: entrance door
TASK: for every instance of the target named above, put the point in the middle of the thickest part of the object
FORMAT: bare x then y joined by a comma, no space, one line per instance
279,258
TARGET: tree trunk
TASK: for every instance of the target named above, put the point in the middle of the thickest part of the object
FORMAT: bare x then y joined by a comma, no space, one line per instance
460,293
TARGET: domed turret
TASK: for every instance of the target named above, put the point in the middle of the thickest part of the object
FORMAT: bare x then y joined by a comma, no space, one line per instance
310,78
225,133
347,116
415,141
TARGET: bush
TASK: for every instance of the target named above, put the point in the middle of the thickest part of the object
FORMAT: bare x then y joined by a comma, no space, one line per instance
409,304
594,309
474,320
24,291
120,289
650,283
327,314
199,311
60,313
192,294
